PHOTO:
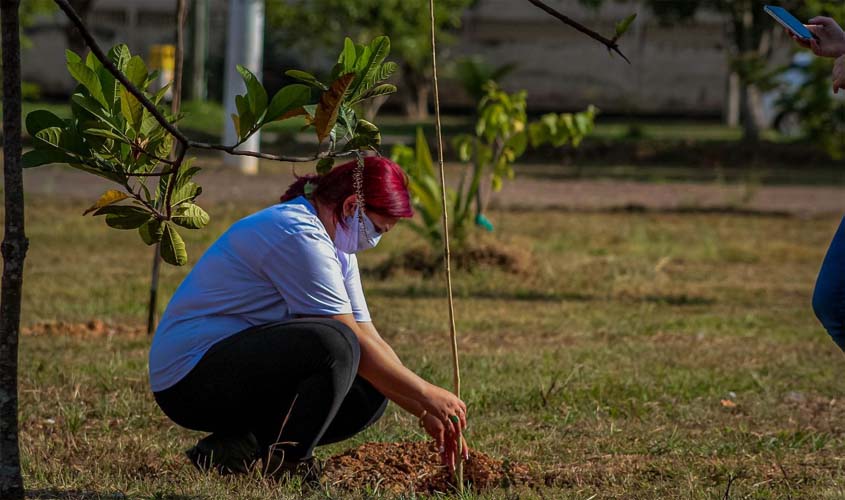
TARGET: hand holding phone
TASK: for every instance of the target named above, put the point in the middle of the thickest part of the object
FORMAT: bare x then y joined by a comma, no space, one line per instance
821,34
788,21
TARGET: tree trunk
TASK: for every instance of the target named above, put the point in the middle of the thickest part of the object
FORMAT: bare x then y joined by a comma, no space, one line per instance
14,251
415,98
750,128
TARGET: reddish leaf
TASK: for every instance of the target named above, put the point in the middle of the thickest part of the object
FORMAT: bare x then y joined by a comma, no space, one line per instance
326,114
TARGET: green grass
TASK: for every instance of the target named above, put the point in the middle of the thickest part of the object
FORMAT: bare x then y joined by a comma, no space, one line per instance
639,324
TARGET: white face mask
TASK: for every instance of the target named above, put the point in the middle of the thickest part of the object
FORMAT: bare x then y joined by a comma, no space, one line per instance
359,234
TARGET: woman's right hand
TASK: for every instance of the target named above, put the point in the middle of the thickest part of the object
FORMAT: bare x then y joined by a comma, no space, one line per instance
444,406
830,38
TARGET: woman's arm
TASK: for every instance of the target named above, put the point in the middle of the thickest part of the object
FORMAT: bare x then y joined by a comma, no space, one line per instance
381,367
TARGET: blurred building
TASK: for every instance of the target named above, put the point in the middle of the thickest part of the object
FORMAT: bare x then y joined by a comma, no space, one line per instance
676,70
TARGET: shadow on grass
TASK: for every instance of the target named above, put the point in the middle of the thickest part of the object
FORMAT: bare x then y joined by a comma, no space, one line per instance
539,296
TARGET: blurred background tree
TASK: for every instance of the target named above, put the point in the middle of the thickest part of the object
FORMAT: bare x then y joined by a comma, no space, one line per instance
322,22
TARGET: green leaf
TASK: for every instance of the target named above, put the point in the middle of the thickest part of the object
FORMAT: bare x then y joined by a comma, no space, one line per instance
383,89
136,72
172,249
366,135
325,165
92,106
132,110
188,192
246,120
72,57
348,56
255,93
39,157
304,77
41,119
287,99
151,231
367,67
88,79
190,216
623,25
326,114
110,197
108,134
124,216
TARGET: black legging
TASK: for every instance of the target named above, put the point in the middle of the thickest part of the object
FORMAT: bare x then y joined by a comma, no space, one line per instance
248,383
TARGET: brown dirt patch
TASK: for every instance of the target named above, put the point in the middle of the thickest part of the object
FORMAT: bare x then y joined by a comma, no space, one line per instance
93,329
422,260
415,467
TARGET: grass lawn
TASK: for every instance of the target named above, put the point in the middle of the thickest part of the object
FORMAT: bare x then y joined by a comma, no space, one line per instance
639,356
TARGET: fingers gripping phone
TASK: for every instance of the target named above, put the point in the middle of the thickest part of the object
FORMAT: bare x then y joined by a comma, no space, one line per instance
789,22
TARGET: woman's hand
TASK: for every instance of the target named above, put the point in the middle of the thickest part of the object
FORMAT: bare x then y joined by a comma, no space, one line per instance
446,407
839,74
447,445
830,38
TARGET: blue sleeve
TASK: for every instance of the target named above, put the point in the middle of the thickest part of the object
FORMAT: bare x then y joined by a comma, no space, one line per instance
829,295
305,270
356,291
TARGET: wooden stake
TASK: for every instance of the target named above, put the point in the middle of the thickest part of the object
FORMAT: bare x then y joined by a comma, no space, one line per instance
456,371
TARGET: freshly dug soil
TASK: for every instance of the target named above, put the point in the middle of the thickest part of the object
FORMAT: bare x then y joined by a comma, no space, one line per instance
92,329
415,467
485,255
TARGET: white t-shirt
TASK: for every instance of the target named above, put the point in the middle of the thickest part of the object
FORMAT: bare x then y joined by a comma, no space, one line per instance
268,267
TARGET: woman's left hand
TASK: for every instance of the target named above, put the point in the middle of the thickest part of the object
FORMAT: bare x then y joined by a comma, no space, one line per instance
839,75
444,438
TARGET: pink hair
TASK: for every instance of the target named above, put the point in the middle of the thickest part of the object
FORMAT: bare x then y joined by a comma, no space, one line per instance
385,188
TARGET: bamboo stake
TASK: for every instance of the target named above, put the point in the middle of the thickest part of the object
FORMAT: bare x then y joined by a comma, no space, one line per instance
456,371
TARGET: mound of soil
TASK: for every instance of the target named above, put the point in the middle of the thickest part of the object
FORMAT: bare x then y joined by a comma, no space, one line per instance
92,329
415,467
424,261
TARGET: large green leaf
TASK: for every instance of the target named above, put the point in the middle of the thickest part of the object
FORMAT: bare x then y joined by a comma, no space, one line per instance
136,72
365,68
308,78
172,249
124,216
41,119
326,114
383,89
39,157
88,79
188,192
255,93
190,216
287,99
151,231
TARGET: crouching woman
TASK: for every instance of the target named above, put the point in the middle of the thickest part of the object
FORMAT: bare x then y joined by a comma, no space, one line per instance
268,344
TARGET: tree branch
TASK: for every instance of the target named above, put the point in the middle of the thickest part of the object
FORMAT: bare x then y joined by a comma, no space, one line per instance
98,52
298,159
607,42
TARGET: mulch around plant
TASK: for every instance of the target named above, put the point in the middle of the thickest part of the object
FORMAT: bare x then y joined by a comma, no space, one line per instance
415,467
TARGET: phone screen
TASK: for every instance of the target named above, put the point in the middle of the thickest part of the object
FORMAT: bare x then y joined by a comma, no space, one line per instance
789,22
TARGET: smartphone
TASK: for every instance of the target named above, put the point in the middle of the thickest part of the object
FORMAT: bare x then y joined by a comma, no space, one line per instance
789,22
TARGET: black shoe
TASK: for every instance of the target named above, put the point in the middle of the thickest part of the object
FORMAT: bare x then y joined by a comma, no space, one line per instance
226,454
309,471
